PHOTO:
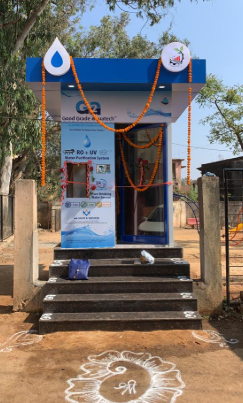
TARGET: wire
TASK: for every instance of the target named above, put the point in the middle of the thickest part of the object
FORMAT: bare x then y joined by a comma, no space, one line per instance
23,118
52,121
201,148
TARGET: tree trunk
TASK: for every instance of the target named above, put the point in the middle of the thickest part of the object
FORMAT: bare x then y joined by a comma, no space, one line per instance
29,24
6,172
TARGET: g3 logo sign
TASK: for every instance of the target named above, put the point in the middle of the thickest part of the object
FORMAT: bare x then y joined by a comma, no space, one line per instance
82,108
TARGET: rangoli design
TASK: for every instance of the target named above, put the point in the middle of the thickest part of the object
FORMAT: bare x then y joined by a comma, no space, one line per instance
114,376
211,336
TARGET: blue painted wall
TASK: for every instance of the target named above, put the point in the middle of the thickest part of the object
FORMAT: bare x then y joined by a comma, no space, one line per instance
133,73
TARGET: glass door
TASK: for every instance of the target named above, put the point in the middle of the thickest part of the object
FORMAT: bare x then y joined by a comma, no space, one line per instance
142,216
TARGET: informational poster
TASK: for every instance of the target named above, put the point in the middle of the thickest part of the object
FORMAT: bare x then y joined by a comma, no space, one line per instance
116,106
88,222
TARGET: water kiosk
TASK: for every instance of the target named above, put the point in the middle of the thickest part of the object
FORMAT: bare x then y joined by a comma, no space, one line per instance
116,186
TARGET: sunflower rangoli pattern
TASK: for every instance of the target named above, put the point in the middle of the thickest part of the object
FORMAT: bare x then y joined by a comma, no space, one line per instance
114,377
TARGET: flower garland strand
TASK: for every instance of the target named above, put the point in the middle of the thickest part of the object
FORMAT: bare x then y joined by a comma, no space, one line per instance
155,166
189,124
96,117
87,180
43,127
152,141
141,173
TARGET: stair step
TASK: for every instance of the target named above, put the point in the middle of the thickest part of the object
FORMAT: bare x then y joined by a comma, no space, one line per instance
120,251
114,285
119,302
53,322
125,267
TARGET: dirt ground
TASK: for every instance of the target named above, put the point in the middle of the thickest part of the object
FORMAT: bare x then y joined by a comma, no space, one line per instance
187,238
180,365
144,367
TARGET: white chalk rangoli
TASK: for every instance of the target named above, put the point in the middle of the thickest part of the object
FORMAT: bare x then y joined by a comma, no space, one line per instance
112,377
129,387
211,336
20,339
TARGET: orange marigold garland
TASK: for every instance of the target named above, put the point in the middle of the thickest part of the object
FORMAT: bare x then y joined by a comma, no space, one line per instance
123,131
138,188
152,141
43,127
189,124
96,117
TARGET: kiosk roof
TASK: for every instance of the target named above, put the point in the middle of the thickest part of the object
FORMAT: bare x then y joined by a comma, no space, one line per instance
115,75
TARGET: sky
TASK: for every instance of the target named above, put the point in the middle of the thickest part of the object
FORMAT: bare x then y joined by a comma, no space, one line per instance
214,29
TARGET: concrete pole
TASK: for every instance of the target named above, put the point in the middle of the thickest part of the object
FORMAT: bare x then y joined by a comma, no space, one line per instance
209,289
26,258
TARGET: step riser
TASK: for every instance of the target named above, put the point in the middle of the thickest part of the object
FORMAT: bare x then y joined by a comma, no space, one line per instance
50,327
115,253
105,271
122,287
119,306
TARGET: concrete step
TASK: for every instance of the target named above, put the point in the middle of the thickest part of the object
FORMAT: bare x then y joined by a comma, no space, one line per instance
125,267
143,321
119,252
140,302
115,285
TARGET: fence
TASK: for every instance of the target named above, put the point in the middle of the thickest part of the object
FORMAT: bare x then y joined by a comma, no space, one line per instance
6,216
49,215
233,199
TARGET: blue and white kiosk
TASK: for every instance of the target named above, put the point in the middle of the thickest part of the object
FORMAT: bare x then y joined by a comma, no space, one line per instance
100,208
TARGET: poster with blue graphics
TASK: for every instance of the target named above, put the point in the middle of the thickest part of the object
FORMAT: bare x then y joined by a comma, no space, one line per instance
88,222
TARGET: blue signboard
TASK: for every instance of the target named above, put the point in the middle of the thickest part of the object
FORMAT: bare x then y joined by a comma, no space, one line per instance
88,222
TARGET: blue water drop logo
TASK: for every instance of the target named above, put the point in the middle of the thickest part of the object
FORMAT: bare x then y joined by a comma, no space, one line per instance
165,101
87,142
56,60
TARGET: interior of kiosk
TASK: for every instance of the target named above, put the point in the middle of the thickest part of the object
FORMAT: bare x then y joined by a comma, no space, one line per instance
100,207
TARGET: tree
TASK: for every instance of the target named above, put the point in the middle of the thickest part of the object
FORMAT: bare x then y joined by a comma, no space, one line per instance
226,122
153,10
27,28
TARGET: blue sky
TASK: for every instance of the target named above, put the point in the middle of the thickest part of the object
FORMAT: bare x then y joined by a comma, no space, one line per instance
214,29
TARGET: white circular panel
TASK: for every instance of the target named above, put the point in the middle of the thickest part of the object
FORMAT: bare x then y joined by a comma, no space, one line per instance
57,60
175,57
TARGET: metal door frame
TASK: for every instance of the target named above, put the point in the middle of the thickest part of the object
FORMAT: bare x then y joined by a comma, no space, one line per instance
148,239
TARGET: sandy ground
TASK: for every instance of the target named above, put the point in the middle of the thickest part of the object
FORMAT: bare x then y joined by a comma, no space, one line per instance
185,369
187,238
194,370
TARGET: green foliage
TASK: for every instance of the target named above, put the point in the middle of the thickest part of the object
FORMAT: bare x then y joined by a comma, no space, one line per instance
153,10
19,109
189,190
226,121
193,193
20,112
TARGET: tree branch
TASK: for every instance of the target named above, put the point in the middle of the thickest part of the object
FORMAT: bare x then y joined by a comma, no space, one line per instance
29,24
230,125
10,23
